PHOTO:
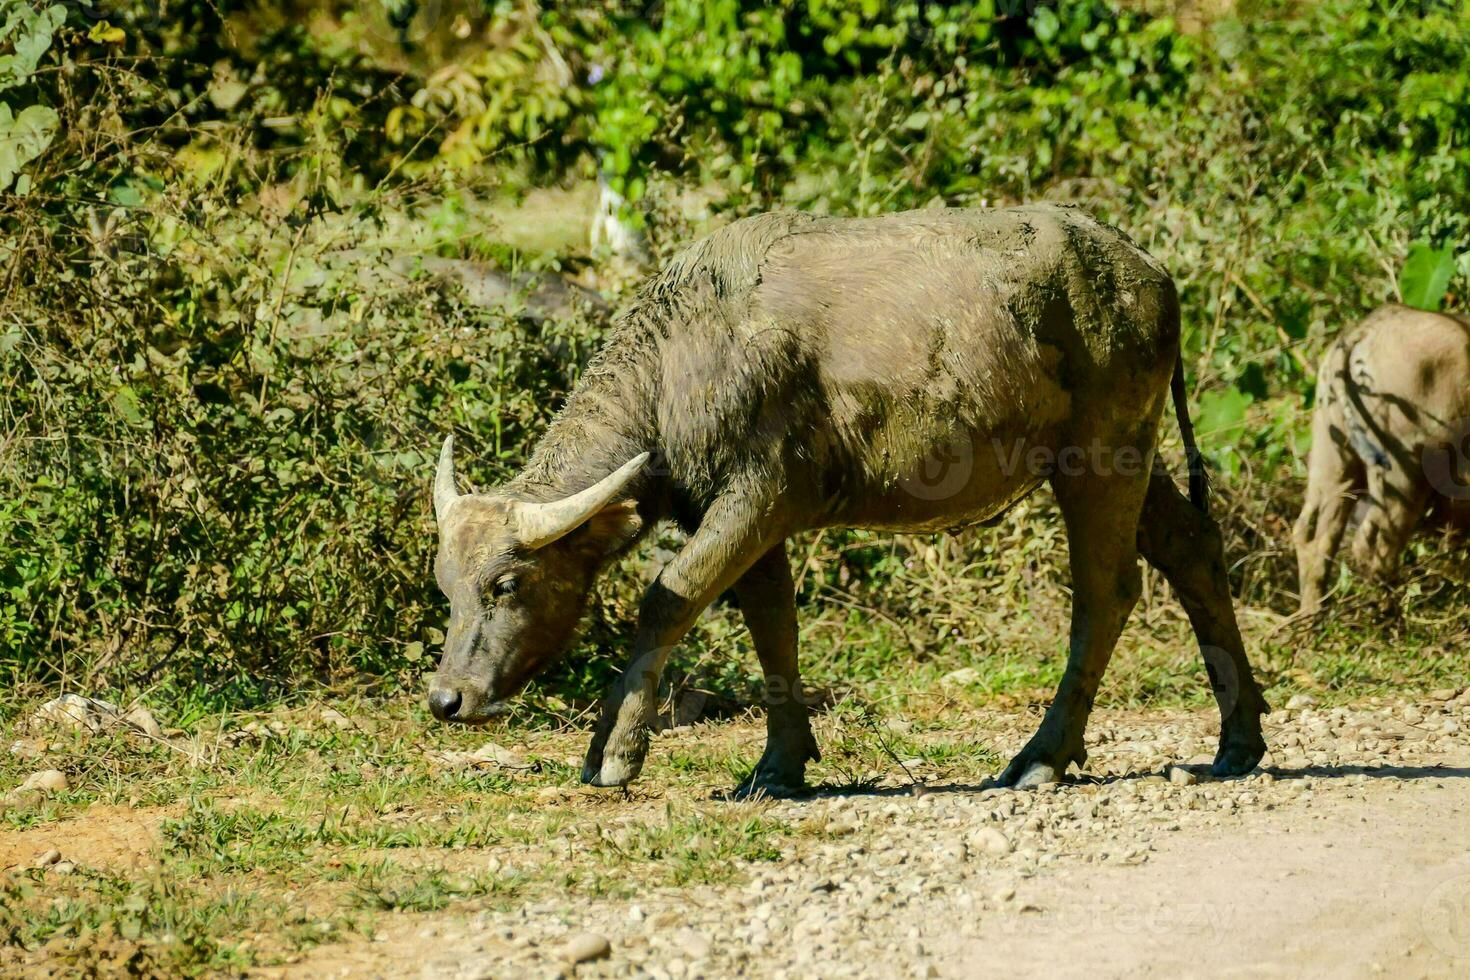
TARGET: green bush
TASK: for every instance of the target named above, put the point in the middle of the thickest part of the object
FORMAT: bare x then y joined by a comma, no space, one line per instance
215,436
206,480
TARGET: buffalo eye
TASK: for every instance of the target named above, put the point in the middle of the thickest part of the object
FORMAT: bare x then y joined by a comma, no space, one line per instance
503,587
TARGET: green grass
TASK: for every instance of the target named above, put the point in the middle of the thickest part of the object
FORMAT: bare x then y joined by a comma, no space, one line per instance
255,848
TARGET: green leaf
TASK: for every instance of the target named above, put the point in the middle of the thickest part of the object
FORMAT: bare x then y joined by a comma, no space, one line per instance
1045,23
28,33
1220,412
1426,275
125,400
23,138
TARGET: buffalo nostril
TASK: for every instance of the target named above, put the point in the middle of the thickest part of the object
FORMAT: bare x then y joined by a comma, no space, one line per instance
443,704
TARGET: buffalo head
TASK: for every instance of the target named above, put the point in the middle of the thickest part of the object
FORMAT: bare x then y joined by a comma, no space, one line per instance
517,574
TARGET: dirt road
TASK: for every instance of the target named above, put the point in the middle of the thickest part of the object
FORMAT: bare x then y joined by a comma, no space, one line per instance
1348,855
1375,884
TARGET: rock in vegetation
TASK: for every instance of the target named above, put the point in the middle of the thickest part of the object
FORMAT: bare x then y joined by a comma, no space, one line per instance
45,781
963,677
489,754
140,719
334,718
78,713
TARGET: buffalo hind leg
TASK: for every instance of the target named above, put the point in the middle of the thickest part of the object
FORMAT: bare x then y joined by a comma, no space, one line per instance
767,599
1101,514
1185,545
1334,475
730,538
1397,500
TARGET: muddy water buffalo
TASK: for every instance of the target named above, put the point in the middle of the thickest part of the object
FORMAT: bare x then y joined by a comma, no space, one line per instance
1391,422
792,372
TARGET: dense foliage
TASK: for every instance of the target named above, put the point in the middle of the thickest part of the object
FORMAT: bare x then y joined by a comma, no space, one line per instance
215,432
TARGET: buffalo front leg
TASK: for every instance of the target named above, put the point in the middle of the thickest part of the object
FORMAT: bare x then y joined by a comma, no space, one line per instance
767,599
730,538
1185,545
1101,515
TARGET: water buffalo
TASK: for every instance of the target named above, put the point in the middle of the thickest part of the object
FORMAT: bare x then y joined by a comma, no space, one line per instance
792,372
1392,413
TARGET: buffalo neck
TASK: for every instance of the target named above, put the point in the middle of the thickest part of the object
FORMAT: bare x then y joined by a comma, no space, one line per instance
607,420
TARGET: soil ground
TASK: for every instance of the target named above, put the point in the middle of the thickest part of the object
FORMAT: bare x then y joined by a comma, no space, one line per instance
1345,855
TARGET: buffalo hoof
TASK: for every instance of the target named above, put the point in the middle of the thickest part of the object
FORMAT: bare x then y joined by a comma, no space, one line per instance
608,767
1037,774
612,772
771,784
1238,755
753,788
781,771
1037,764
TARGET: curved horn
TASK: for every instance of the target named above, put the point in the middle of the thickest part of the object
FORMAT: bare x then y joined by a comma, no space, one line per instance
444,491
538,525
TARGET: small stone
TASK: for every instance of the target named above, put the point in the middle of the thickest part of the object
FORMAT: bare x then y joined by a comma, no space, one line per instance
585,946
963,677
991,841
47,858
1005,893
27,748
45,781
1180,776
335,718
63,867
692,944
141,720
1300,701
77,712
489,754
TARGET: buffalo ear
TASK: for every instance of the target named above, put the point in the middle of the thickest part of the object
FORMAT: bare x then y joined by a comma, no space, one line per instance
539,524
611,529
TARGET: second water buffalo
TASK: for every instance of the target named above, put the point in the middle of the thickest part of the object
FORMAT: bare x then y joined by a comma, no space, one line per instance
1389,432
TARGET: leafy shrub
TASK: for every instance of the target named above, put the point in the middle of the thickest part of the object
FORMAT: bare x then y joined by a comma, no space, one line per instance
216,432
